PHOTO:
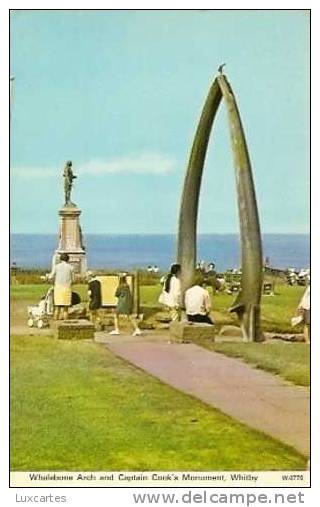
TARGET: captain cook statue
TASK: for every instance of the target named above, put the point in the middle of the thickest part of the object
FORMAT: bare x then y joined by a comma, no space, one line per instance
68,181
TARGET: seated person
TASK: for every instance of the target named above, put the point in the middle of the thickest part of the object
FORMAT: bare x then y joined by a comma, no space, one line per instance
197,301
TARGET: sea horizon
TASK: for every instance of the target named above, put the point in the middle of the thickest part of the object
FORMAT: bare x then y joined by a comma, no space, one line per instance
140,250
159,234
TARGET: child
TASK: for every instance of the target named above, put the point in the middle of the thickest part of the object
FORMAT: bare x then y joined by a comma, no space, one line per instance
124,306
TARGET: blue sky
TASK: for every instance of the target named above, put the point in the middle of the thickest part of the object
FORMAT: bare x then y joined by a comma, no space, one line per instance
120,94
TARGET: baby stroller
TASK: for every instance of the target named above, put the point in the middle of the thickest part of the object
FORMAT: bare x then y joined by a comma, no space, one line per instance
39,314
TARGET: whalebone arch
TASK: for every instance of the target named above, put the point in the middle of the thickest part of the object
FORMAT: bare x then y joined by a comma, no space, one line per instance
247,304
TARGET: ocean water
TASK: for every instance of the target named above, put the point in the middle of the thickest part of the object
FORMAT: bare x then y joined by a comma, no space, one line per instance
139,251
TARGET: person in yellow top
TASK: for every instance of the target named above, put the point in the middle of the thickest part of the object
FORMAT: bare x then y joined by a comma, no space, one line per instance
63,276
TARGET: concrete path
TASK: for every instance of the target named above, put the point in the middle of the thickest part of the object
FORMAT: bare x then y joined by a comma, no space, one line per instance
256,398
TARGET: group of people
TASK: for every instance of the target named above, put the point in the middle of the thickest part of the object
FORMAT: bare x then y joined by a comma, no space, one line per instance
63,276
197,301
124,302
153,269
206,268
295,277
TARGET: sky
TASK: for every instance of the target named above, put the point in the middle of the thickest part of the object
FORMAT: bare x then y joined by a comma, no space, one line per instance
120,94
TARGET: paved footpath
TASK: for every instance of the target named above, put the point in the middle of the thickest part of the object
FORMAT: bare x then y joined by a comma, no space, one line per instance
256,398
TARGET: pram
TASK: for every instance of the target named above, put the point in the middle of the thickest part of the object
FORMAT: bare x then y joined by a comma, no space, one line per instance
39,314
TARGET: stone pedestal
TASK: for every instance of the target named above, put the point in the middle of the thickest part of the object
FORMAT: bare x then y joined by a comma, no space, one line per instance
70,239
184,332
76,329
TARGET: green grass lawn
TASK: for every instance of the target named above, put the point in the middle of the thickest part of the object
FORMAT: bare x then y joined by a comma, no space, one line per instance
289,360
276,311
74,406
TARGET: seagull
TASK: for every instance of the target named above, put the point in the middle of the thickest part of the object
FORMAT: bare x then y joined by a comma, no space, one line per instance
220,69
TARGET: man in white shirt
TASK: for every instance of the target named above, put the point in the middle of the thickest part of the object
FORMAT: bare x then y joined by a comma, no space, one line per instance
63,276
197,302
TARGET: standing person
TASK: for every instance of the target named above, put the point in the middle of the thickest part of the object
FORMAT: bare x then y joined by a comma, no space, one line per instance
304,310
124,306
197,301
94,292
171,293
63,276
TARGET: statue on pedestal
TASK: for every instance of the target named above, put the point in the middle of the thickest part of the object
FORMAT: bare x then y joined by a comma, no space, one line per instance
70,239
68,181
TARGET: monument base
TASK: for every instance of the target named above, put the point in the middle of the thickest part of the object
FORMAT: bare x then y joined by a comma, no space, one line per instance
70,239
77,259
186,332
